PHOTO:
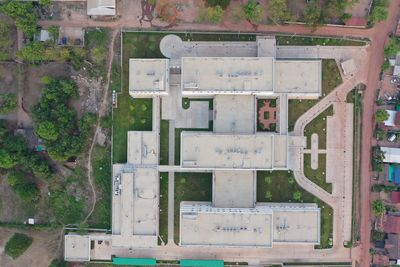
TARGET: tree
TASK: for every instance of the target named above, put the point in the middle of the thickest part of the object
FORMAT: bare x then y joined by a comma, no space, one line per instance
313,14
33,52
23,14
14,178
279,10
378,207
17,245
392,48
8,102
47,130
166,11
98,55
6,161
222,3
211,14
45,3
380,134
297,196
54,32
253,11
378,236
381,115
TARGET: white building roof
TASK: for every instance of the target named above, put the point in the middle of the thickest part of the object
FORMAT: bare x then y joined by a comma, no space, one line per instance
227,75
148,76
76,247
392,155
392,117
101,7
142,147
206,150
201,224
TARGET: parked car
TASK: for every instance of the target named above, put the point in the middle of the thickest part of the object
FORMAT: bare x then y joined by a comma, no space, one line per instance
392,137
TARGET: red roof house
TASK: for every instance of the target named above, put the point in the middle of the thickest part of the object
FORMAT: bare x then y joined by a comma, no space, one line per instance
392,224
356,22
393,246
395,197
381,260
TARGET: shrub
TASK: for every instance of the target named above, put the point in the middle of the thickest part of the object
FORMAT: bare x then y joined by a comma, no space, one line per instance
222,3
253,11
17,245
211,14
381,115
378,207
8,102
378,236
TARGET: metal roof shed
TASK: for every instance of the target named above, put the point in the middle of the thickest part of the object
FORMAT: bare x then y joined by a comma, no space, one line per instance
202,263
134,261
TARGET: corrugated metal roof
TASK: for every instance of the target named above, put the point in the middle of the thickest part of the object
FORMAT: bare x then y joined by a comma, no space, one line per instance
134,261
202,263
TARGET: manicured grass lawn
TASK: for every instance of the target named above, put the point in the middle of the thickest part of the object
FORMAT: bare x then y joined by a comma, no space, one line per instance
163,215
193,186
164,142
101,216
330,80
318,126
317,176
302,40
280,186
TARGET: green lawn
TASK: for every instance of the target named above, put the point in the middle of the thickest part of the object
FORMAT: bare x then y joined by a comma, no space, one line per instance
192,186
101,216
317,176
318,126
280,186
163,215
330,80
304,40
164,142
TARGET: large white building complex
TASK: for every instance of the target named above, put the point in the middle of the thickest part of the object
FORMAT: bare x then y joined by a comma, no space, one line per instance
234,75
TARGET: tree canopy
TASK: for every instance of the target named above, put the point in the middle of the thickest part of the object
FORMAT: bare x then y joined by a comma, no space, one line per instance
221,3
23,14
279,10
313,14
253,11
378,207
381,115
64,135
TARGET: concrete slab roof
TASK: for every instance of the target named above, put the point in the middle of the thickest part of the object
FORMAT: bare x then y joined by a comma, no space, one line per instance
203,225
135,208
207,150
142,147
234,189
296,224
148,76
76,247
240,75
234,114
101,7
298,77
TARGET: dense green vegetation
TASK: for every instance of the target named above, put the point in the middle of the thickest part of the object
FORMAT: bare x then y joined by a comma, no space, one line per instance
96,44
280,186
222,3
164,142
101,216
67,208
8,102
378,207
193,186
379,11
279,10
211,14
392,48
23,14
253,11
381,115
56,123
17,245
58,263
14,152
26,190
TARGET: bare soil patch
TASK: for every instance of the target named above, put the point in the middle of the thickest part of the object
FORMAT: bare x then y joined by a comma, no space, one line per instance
8,77
42,251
